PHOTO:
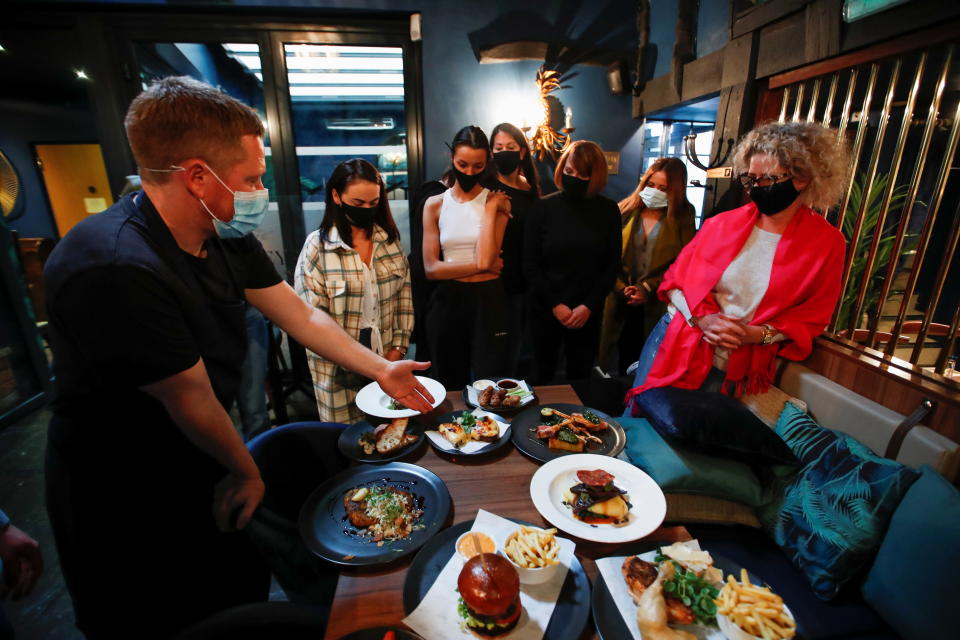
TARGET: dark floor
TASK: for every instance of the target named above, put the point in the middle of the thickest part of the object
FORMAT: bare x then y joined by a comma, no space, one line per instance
47,613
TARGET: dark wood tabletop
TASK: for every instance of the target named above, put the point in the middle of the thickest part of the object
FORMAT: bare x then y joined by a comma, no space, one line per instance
499,483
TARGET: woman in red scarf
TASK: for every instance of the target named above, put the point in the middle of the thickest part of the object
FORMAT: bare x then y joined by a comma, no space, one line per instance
758,281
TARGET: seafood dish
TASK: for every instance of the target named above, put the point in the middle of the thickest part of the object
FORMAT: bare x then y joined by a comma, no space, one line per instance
569,432
382,512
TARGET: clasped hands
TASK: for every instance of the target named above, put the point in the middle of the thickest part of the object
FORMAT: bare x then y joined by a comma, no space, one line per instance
728,331
571,318
634,295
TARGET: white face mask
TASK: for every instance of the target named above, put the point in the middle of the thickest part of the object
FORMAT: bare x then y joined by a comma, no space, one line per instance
653,198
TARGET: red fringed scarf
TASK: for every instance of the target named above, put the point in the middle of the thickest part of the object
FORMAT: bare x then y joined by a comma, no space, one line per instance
803,291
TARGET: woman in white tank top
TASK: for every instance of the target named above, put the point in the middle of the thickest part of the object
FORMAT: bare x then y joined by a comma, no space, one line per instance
467,318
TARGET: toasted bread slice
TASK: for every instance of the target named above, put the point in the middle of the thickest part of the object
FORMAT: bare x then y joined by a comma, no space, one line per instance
392,438
485,429
454,434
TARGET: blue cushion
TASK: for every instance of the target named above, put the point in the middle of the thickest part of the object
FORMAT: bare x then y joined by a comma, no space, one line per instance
913,581
712,423
835,510
678,470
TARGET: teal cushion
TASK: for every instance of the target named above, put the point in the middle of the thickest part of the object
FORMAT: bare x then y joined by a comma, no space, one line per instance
913,581
678,470
833,513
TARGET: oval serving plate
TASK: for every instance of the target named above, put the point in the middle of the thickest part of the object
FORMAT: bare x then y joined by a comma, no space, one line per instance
524,434
573,604
349,443
327,532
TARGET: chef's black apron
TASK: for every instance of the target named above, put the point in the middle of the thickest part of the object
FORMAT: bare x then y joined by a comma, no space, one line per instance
130,498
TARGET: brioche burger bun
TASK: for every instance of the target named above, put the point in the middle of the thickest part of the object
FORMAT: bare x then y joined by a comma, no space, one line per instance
489,595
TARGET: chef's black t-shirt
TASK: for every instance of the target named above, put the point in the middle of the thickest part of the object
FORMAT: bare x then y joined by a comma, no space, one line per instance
123,304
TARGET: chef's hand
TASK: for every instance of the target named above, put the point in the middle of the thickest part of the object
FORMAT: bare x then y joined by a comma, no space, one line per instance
578,317
235,494
22,563
398,382
722,330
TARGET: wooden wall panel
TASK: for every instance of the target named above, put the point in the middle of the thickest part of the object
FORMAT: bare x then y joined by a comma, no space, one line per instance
887,384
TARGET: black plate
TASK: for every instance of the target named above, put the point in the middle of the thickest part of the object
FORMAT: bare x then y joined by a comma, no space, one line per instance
490,448
503,410
569,616
327,532
378,633
607,618
349,444
614,439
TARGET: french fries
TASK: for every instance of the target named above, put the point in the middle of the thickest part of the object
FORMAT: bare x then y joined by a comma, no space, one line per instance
532,548
756,610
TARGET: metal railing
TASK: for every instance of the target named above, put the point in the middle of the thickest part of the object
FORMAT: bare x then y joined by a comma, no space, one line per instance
901,273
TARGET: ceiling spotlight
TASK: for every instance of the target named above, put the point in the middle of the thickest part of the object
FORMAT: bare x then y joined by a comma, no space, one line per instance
81,74
2,50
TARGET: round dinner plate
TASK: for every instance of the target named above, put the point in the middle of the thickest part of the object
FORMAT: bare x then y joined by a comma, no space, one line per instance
327,532
573,604
349,443
648,504
525,439
377,633
373,401
475,448
607,617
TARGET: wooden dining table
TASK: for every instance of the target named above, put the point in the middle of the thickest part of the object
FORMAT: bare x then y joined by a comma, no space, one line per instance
499,483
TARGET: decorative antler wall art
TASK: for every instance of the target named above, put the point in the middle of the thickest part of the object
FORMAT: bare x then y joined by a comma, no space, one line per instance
547,141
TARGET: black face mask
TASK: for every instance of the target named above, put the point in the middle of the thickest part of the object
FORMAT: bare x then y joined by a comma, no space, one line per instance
507,161
359,216
467,182
774,198
574,187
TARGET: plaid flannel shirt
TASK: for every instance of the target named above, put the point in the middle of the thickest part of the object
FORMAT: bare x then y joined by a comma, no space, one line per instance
329,276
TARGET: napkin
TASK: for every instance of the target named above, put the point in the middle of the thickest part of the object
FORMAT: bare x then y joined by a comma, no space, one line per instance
473,393
613,577
472,446
436,617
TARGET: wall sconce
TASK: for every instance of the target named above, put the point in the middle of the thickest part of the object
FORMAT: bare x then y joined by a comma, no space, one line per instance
545,140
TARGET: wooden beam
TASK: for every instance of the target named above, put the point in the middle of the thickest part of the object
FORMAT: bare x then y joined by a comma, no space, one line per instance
764,14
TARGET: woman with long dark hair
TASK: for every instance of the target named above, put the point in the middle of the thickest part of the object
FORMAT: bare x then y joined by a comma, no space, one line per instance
467,319
353,268
657,221
571,253
516,175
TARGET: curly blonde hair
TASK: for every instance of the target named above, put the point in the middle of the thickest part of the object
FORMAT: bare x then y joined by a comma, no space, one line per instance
805,150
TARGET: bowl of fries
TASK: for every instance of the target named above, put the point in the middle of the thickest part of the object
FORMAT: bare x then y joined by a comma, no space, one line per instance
746,611
534,552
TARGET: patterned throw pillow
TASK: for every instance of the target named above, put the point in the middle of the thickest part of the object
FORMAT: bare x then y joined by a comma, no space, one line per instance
835,510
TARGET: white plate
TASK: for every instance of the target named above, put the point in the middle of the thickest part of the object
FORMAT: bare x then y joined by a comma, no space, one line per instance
649,507
372,400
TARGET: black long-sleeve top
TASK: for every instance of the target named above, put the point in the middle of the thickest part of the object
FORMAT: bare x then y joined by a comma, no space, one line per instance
572,250
511,250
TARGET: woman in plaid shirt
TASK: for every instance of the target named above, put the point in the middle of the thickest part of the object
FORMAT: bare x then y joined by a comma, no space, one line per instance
353,268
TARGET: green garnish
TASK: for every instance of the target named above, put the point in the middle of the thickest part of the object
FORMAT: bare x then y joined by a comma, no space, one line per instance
395,406
467,421
548,417
693,591
592,417
566,435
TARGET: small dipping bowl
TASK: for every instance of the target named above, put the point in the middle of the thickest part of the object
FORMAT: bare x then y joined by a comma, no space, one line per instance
465,546
480,385
509,384
535,575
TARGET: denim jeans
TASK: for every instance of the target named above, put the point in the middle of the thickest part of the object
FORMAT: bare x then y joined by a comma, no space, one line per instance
251,396
714,379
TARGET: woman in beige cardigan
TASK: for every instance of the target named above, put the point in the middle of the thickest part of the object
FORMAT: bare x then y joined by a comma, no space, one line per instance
657,221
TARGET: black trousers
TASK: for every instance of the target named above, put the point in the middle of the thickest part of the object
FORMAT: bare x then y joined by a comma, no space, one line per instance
469,328
138,546
579,345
